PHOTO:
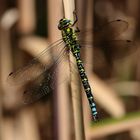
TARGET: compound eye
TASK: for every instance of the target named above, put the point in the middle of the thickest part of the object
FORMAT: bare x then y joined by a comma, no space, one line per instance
67,21
61,20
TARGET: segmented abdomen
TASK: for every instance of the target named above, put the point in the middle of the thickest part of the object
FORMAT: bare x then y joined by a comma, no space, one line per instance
86,86
70,39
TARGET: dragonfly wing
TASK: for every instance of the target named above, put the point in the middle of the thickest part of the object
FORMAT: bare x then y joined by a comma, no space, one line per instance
44,83
106,51
38,88
110,31
118,48
105,38
34,67
26,74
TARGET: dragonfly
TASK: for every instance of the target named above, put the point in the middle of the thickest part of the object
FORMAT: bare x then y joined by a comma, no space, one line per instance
39,76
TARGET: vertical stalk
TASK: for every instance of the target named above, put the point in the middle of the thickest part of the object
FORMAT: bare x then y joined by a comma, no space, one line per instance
69,7
62,123
27,16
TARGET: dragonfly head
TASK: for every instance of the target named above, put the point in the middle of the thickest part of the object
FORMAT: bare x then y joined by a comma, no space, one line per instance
64,23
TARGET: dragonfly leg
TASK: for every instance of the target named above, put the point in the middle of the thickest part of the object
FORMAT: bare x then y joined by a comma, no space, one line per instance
77,30
76,17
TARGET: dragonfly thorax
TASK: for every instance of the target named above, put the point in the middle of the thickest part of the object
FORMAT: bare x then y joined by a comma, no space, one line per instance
70,38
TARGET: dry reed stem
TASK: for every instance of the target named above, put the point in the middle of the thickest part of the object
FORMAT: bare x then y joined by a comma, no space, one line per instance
107,97
7,132
135,133
27,16
28,126
69,7
35,45
6,68
61,97
6,125
127,88
108,129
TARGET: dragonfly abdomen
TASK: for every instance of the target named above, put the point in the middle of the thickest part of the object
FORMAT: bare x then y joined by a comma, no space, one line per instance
87,87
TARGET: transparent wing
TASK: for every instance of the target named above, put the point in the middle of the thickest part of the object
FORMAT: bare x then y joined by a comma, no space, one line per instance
105,39
110,30
37,78
115,48
118,48
34,68
44,83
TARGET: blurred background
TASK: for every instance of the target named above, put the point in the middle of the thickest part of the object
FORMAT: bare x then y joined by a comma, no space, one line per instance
111,58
